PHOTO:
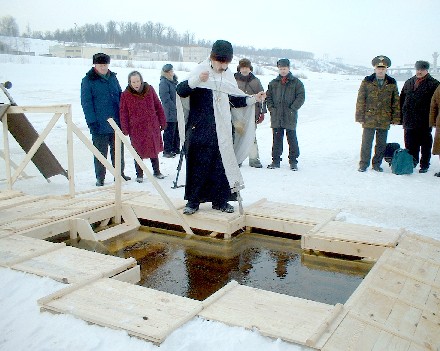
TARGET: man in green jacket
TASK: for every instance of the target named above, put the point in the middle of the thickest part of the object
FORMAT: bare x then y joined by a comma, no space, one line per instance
285,96
377,107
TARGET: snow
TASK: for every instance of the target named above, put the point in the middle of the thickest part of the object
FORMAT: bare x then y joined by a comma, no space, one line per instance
329,141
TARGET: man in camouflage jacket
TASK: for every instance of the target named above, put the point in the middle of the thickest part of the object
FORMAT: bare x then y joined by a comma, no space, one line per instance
377,107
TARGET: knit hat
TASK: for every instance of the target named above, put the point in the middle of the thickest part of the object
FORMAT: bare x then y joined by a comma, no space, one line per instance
381,61
422,65
244,63
222,51
284,62
168,67
101,58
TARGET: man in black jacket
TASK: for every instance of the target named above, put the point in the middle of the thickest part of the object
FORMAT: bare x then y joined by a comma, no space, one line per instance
285,96
415,100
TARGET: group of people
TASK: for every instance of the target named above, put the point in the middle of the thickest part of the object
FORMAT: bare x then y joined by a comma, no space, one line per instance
416,109
223,109
137,110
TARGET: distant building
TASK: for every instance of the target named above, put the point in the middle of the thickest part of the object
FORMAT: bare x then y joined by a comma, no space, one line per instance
145,55
194,53
87,52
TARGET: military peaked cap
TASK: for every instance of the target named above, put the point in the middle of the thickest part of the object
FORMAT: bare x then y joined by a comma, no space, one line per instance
381,61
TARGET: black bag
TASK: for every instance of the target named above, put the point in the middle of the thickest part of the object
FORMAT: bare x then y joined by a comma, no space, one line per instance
389,152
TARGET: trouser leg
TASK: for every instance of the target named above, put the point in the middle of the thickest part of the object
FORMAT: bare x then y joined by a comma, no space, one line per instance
176,138
379,149
155,165
426,146
412,144
292,140
277,145
168,139
100,141
139,170
367,142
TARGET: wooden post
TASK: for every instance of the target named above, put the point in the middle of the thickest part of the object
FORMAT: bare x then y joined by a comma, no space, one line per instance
118,200
7,154
153,181
71,164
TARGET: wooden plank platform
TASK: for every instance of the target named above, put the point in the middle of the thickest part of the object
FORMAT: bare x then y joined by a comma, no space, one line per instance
276,315
396,307
71,265
18,248
286,218
351,239
142,312
152,207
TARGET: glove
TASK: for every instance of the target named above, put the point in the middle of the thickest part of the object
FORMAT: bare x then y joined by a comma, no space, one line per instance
260,118
94,127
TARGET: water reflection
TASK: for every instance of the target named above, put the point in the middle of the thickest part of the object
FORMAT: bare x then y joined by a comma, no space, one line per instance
198,267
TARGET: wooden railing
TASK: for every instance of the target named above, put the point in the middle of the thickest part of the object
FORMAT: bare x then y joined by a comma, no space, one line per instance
66,110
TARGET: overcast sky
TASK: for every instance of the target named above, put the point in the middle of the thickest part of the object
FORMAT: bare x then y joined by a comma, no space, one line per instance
354,30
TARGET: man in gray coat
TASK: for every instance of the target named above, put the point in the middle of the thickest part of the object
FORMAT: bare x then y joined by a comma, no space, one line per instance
285,96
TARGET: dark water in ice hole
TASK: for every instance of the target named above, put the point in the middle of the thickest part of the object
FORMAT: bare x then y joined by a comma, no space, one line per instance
199,266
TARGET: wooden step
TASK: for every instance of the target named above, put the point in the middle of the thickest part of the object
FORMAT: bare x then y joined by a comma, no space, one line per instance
115,231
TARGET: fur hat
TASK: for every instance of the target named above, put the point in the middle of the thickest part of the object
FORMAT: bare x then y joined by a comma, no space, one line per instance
222,51
422,65
168,67
244,62
284,62
381,61
101,58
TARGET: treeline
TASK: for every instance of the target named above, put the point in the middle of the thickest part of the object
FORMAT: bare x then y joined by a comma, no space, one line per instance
122,34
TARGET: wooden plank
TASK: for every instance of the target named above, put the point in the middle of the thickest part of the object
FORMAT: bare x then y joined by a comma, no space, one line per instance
132,275
70,264
275,315
62,109
117,230
311,242
282,211
359,233
9,194
17,248
142,312
52,228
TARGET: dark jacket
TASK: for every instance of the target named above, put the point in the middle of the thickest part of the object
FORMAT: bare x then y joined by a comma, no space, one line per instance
100,100
167,94
377,107
415,104
284,101
251,85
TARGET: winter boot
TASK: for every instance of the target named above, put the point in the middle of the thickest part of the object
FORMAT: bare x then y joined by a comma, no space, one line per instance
255,163
293,167
156,171
274,165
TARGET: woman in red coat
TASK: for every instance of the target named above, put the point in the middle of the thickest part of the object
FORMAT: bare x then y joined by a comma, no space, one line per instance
143,119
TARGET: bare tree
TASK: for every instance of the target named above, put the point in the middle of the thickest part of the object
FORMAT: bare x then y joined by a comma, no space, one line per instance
8,26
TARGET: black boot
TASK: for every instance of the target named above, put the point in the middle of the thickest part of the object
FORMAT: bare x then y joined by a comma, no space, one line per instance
156,170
